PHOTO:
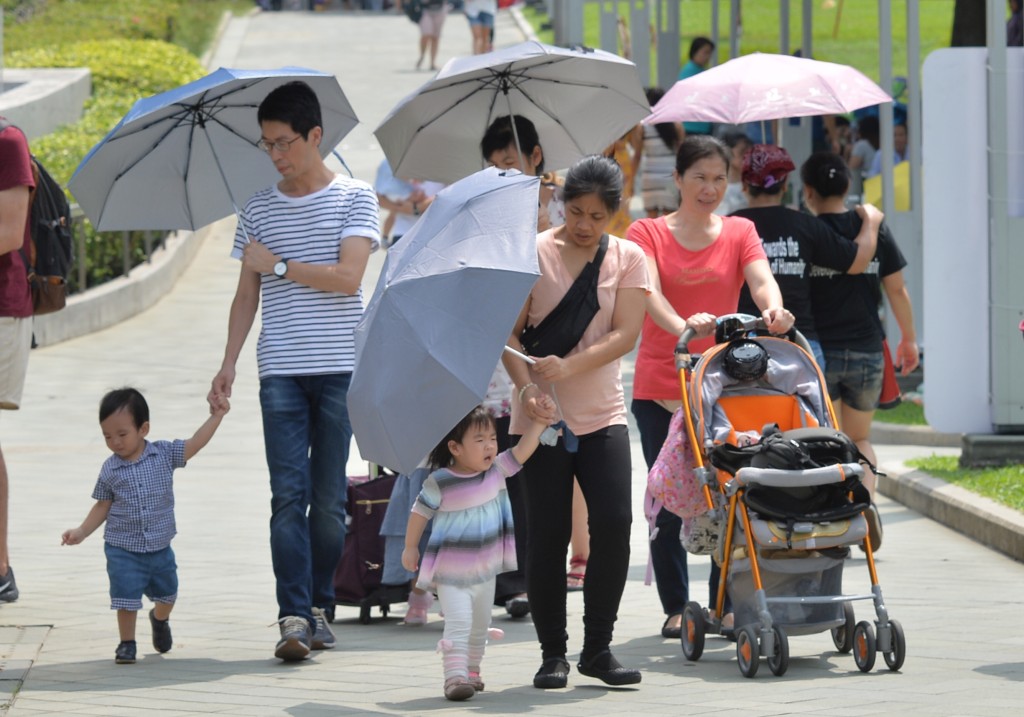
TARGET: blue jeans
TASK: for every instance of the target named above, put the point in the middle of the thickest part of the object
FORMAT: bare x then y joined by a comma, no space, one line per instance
307,434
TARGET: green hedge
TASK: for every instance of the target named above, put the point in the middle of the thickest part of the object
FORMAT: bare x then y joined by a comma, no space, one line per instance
189,23
136,48
123,71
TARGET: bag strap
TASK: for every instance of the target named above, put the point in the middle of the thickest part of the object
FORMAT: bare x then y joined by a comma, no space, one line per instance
586,277
593,267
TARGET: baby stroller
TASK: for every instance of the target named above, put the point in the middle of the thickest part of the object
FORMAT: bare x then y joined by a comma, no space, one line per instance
784,501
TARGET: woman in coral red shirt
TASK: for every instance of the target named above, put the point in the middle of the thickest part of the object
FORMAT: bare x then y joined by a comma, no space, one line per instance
697,262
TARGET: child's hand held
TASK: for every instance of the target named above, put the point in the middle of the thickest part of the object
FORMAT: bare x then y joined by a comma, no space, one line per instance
546,406
222,405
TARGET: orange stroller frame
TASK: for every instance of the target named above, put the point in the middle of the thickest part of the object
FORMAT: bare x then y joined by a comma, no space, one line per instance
724,495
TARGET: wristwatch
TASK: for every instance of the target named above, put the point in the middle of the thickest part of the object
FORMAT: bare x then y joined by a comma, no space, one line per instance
281,268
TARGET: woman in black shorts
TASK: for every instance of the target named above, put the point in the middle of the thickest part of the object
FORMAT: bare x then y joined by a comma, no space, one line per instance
845,308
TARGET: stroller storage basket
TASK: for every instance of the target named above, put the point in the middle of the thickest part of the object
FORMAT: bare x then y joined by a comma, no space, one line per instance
809,577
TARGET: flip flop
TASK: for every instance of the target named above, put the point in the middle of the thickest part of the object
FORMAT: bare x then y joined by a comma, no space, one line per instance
577,573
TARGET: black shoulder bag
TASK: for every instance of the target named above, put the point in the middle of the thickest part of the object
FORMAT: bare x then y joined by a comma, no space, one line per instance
559,332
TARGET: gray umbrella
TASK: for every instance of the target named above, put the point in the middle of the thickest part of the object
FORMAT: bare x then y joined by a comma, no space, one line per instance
436,325
187,157
580,100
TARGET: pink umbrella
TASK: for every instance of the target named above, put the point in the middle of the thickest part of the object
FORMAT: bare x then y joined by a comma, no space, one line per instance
764,86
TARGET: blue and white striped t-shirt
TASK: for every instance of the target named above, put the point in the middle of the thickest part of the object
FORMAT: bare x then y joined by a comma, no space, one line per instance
307,331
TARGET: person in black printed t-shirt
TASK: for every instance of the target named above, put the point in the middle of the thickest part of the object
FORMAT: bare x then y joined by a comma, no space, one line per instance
304,244
795,241
846,309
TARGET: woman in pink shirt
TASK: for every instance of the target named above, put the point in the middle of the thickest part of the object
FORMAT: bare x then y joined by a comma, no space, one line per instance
697,262
587,385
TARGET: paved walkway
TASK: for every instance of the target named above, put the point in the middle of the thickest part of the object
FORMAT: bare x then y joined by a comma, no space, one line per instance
957,600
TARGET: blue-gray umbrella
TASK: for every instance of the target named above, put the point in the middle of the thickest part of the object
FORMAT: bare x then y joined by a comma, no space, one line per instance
187,157
437,323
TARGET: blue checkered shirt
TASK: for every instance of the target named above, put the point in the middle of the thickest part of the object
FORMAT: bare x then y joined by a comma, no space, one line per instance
141,517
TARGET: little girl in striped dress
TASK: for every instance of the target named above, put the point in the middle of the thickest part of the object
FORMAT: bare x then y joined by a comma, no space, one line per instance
471,539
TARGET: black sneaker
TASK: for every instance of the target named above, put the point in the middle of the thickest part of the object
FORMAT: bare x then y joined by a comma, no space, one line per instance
518,606
606,668
125,654
295,639
162,639
8,588
552,675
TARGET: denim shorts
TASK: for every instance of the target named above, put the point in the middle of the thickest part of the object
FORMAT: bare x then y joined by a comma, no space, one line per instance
133,575
481,18
854,377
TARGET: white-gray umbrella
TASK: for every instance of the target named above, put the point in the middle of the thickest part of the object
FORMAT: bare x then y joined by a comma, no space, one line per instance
187,157
580,100
437,323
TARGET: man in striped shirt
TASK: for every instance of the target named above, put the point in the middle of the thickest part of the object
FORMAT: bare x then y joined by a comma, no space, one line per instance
304,244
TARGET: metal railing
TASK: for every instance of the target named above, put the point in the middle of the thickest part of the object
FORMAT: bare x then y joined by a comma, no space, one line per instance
151,240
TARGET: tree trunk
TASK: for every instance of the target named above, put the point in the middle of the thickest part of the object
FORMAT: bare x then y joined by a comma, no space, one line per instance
968,24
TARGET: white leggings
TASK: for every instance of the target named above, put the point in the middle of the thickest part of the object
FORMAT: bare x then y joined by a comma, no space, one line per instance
467,616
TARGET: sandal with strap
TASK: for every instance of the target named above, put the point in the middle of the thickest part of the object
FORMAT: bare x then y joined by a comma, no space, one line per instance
577,573
458,689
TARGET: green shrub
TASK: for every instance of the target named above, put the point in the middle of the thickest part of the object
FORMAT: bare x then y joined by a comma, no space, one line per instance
130,58
123,71
190,23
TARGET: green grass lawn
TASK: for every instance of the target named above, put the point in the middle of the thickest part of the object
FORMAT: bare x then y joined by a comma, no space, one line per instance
854,42
1004,485
907,413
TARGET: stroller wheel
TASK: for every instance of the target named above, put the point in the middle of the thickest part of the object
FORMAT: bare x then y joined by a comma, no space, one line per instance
748,654
693,631
897,651
778,660
864,648
842,637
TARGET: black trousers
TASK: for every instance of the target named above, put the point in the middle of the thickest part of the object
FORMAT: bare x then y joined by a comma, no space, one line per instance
602,466
508,585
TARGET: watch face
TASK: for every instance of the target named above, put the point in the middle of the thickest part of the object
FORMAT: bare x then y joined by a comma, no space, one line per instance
280,268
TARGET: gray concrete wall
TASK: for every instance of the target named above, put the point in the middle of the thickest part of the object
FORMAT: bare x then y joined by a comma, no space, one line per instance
41,100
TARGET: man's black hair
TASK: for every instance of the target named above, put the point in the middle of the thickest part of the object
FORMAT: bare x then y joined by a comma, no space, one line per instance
294,103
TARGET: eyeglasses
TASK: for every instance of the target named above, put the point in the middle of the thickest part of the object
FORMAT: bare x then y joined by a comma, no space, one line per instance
281,145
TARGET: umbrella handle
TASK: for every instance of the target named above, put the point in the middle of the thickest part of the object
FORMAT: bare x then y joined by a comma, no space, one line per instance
519,147
520,354
527,359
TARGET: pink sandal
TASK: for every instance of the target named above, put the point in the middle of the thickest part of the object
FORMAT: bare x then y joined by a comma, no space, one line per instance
577,573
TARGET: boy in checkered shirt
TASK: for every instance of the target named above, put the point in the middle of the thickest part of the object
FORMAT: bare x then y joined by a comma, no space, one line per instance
134,495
